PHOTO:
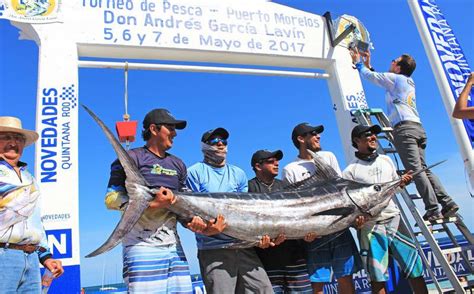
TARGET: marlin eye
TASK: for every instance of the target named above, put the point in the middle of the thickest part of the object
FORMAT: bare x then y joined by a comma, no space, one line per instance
377,188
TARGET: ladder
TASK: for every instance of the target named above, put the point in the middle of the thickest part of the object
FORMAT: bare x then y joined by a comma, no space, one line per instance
426,229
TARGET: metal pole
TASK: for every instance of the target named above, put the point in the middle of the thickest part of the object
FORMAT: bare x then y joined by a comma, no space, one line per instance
207,69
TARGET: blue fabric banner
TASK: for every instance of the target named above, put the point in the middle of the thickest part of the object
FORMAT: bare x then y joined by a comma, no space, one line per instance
451,56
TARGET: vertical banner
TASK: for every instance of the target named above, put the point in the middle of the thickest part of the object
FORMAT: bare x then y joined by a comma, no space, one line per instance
57,161
450,68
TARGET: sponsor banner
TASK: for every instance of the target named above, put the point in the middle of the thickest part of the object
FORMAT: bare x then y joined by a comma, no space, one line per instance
30,11
454,64
57,169
455,259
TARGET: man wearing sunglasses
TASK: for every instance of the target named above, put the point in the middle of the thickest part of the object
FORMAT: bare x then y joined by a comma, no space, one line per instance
23,244
224,270
409,135
385,234
285,264
152,256
334,254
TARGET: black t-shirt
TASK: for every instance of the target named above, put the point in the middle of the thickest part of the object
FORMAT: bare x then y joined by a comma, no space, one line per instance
288,252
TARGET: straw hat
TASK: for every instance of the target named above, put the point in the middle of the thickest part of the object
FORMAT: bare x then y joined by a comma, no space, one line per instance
13,124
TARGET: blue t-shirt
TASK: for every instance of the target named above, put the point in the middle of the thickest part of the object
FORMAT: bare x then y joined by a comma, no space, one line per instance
204,178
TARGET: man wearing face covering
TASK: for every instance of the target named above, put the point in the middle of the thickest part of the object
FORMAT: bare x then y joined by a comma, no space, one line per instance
224,270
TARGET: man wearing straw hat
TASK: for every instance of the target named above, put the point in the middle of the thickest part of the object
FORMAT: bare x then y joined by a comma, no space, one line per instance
22,237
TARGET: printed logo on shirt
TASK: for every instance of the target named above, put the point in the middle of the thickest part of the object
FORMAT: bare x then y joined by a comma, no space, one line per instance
159,170
3,173
411,100
375,172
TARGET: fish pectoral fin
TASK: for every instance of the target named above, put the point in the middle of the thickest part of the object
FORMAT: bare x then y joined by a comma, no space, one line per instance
133,211
342,211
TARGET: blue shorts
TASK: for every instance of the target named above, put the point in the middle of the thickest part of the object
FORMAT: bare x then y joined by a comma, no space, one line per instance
333,255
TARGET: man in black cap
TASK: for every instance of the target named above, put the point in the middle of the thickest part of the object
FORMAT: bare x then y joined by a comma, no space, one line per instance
332,255
224,270
265,165
385,234
285,264
153,241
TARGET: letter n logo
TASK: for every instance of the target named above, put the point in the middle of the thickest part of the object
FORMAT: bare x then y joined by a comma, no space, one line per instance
60,243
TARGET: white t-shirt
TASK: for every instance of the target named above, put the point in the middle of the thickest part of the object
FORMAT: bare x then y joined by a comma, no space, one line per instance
380,170
301,169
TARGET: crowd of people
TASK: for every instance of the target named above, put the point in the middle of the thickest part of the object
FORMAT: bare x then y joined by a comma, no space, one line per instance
152,254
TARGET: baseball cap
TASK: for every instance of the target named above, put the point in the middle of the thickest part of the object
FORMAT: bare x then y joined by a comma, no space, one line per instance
265,154
162,116
302,129
221,132
360,129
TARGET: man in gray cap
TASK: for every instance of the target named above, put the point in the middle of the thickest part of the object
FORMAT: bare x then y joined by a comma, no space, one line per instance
153,257
224,270
23,243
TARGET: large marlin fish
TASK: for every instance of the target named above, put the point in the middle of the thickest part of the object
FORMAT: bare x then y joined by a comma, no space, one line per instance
322,204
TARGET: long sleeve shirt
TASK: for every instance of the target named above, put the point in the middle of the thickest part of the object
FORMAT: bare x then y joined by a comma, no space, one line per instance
20,212
399,94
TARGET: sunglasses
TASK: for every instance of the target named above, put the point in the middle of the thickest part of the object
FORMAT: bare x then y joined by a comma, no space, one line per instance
13,137
366,134
269,160
312,133
216,141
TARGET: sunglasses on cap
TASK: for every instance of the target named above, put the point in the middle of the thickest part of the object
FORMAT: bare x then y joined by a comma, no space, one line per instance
19,138
216,141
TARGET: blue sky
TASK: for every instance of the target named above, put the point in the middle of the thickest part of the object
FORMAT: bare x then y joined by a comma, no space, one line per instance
259,112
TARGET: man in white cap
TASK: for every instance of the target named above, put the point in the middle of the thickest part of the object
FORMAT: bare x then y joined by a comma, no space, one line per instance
23,242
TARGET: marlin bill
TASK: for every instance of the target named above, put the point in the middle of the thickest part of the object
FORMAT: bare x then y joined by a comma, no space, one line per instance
323,204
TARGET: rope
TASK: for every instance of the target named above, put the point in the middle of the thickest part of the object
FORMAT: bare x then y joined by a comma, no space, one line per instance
126,116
